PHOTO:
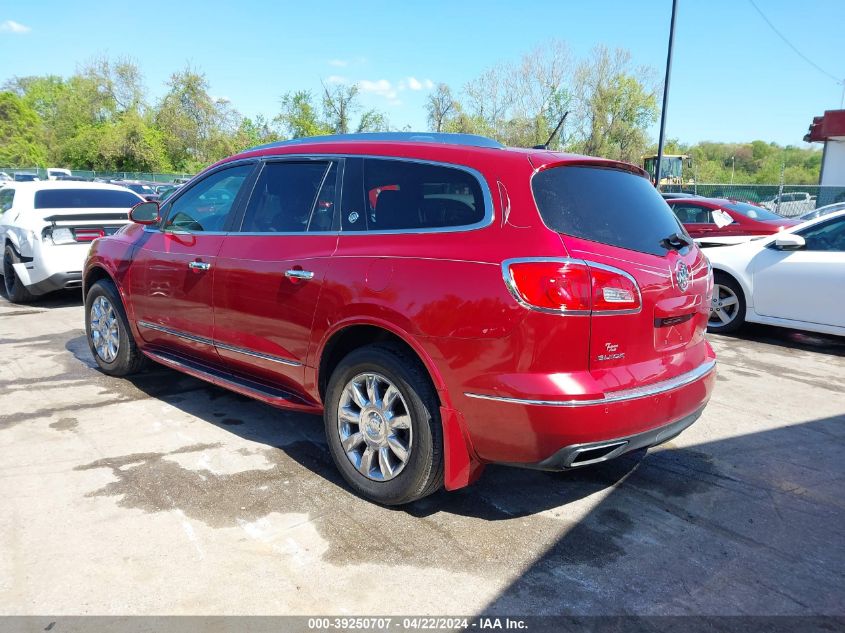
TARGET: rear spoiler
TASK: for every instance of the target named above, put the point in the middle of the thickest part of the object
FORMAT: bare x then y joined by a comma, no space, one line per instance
543,161
87,217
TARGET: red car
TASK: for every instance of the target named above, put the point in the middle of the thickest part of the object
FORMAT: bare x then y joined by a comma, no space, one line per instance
488,305
738,218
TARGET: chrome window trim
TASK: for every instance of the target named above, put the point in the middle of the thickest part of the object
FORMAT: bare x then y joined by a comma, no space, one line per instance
511,286
487,220
208,341
613,396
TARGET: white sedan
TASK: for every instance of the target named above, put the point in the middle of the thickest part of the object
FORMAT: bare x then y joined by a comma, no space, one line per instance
46,229
794,279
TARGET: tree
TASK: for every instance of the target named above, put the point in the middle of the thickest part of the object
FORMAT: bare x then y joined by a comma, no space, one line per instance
299,117
440,106
339,103
373,121
615,104
21,133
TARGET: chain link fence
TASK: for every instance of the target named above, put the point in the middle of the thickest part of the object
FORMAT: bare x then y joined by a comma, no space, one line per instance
786,200
41,173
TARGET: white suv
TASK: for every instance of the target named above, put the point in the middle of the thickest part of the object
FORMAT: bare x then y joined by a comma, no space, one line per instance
47,227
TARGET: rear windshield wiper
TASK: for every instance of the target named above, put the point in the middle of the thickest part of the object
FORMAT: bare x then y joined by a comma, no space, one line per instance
675,242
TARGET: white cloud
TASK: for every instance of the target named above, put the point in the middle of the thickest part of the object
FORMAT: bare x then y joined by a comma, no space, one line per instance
429,84
339,63
414,83
10,26
336,79
381,87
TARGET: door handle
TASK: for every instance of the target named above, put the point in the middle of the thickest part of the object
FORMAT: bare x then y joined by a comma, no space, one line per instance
199,265
295,273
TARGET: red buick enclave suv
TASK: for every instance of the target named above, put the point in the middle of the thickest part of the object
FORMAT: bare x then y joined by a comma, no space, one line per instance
444,301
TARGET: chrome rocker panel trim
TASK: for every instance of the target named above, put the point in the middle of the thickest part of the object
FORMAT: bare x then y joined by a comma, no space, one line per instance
208,341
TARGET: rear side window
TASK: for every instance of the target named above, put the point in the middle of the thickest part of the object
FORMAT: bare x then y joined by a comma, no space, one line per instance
291,197
84,198
7,197
609,206
403,195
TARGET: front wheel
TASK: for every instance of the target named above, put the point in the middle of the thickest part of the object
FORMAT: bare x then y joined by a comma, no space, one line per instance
108,333
383,425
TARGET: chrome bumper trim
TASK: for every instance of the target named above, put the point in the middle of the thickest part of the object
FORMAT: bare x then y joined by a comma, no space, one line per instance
613,396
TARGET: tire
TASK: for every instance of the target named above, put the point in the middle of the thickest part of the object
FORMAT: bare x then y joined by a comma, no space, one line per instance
726,288
16,292
123,358
416,406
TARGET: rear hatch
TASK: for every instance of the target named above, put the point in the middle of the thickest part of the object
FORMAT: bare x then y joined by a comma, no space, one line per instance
83,215
615,220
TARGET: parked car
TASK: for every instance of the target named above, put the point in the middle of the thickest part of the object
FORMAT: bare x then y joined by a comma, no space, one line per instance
719,217
672,196
791,204
446,322
141,188
22,177
825,210
4,177
57,173
792,279
46,229
165,191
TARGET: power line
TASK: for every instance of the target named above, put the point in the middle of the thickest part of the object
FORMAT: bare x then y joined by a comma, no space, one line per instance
838,80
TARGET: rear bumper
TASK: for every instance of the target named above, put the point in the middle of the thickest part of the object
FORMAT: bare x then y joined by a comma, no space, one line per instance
57,281
578,455
554,433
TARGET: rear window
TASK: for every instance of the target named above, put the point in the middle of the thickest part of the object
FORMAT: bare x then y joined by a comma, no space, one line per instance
751,211
84,199
609,206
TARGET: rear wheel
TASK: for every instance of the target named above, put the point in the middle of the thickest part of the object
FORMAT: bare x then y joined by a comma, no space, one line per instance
727,308
16,292
108,333
383,425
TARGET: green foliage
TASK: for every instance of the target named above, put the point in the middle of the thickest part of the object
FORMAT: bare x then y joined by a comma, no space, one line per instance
756,162
22,141
98,118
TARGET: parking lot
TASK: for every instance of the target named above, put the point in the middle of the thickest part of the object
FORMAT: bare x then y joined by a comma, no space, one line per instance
166,495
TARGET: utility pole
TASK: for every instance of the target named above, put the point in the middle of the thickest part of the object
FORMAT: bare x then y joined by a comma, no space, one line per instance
665,95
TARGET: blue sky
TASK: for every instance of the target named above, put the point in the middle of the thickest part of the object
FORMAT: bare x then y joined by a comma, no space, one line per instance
733,79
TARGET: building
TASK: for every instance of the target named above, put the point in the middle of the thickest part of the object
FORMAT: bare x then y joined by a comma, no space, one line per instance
830,130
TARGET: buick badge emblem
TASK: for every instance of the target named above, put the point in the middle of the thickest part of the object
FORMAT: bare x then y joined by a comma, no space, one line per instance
682,276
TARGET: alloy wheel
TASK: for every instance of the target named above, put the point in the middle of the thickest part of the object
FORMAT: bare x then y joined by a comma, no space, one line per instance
105,334
374,426
723,307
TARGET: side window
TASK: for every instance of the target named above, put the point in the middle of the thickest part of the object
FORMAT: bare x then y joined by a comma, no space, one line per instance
292,197
401,195
206,205
692,214
7,196
827,236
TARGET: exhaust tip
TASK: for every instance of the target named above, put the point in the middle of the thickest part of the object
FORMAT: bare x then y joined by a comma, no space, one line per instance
595,454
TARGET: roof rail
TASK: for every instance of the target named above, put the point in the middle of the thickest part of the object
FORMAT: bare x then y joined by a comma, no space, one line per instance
469,140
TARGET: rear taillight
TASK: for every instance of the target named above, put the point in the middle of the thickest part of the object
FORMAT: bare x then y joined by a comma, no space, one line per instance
88,235
564,286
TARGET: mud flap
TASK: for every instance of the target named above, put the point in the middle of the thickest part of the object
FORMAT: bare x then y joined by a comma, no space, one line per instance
461,467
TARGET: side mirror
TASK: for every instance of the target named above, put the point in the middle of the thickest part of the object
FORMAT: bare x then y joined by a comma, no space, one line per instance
144,213
789,242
